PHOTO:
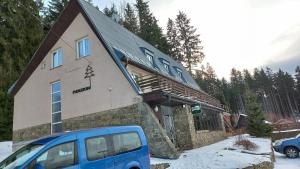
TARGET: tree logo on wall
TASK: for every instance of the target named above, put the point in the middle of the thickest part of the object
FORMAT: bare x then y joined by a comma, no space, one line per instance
89,73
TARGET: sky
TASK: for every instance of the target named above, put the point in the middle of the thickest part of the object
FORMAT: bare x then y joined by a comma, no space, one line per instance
243,34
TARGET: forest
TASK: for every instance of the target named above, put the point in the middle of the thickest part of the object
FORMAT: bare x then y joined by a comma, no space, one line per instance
24,24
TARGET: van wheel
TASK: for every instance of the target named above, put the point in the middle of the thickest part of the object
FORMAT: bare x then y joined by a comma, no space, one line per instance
134,168
292,152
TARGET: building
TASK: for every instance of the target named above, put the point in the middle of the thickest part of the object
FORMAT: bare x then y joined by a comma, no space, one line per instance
91,72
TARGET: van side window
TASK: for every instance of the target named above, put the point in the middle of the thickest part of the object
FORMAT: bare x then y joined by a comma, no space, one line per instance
126,142
60,156
97,148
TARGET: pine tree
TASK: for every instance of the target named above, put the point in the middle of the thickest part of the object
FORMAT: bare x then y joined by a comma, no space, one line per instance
110,12
20,34
249,80
130,19
173,41
113,13
190,42
238,90
149,29
52,12
256,125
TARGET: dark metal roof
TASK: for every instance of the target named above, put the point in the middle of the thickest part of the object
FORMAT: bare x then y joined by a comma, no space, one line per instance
117,38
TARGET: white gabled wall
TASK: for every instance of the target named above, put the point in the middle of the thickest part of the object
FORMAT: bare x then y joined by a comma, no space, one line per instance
110,89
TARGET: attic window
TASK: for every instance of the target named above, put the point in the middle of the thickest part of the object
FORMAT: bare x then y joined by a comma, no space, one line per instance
179,73
149,56
166,65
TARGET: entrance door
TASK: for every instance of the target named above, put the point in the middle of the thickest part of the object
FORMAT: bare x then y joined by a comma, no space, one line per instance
168,122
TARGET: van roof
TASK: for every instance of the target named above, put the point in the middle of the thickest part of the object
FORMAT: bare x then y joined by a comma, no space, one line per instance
46,139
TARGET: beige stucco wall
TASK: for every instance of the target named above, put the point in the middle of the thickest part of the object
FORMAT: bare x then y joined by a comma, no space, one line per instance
110,89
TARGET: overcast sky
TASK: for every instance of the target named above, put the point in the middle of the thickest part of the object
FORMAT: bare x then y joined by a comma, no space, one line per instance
238,33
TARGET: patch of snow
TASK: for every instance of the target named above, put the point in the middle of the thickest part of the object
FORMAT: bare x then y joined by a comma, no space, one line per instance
282,162
286,131
267,122
218,156
5,149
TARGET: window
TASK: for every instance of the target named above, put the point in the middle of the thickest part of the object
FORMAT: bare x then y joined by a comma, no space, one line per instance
179,73
208,120
149,56
60,156
126,142
166,65
97,148
20,156
104,146
56,125
57,58
135,77
83,47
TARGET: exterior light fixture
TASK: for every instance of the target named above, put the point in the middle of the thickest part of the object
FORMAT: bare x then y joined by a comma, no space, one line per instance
156,109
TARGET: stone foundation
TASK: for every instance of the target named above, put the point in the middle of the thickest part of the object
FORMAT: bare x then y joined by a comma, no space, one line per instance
203,138
138,114
284,134
31,132
263,165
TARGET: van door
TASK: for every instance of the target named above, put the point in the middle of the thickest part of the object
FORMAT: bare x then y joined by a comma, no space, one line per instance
98,153
127,147
62,156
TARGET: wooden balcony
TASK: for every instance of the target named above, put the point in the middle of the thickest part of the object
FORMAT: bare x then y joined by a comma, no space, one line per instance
156,84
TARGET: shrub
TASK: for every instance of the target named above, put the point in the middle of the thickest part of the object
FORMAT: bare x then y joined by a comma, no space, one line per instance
256,125
245,143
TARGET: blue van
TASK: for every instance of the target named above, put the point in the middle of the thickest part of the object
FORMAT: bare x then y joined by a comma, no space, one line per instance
123,147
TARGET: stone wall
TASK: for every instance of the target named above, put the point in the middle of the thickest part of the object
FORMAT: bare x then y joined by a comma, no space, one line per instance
285,134
31,132
184,127
204,137
263,165
138,114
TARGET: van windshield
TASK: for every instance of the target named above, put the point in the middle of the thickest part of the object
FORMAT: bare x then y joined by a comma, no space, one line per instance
21,156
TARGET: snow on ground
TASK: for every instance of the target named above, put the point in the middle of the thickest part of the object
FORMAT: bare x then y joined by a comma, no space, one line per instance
284,131
282,162
5,149
215,156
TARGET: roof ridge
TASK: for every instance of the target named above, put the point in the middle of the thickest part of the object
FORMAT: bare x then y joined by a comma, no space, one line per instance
131,33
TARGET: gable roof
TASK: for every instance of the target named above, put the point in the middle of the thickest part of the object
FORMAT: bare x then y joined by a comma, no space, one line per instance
115,38
131,46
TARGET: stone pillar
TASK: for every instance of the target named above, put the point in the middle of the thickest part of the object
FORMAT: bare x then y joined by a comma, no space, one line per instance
184,127
222,122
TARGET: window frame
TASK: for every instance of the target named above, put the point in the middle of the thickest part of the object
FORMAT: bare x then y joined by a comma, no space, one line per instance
52,103
76,161
208,121
112,146
78,47
166,65
58,51
135,149
149,56
180,74
109,147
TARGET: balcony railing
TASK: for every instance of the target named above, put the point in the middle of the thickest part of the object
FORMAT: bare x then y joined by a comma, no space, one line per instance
151,83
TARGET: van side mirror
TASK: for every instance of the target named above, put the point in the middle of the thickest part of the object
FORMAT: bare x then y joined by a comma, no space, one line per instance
39,166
